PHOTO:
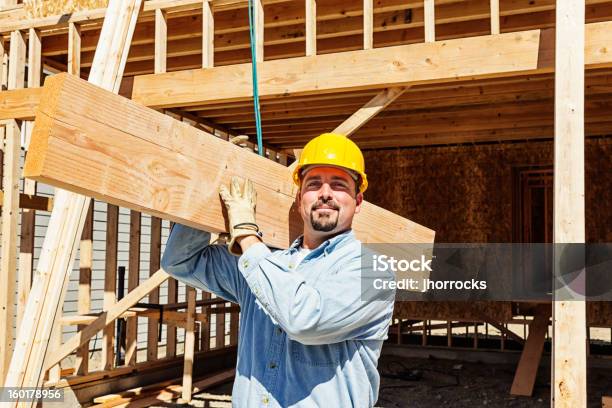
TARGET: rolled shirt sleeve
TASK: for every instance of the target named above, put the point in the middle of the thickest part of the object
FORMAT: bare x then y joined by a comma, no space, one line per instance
189,258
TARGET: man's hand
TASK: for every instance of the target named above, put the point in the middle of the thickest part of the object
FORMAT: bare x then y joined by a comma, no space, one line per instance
240,204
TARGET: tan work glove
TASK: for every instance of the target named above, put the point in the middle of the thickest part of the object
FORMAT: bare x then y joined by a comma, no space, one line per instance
240,204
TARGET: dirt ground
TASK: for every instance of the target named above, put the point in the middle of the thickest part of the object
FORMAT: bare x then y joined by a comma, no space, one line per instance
417,382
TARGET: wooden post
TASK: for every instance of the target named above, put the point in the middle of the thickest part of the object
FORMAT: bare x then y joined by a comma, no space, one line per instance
189,345
527,369
368,24
26,246
74,49
311,27
430,21
68,216
208,35
3,66
110,284
569,316
259,29
205,327
171,328
86,245
154,264
81,366
220,327
234,326
161,41
10,207
131,344
494,16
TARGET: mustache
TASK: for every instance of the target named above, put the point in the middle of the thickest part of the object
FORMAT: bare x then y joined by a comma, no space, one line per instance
328,203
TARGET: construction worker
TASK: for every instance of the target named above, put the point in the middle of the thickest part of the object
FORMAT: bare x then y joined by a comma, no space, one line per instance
307,338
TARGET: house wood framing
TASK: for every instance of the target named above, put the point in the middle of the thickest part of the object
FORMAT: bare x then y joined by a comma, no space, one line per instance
391,74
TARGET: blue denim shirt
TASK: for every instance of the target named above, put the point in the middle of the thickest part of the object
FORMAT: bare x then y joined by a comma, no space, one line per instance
307,339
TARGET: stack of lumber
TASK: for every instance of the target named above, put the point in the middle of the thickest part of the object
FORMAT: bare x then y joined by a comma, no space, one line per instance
160,392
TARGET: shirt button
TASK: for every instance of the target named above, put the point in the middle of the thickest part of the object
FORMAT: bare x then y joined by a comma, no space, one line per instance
279,330
272,365
265,400
245,263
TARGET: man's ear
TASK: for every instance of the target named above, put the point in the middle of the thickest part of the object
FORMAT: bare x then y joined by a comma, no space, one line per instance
358,202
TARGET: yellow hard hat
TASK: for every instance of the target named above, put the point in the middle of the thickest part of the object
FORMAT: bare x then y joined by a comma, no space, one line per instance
332,149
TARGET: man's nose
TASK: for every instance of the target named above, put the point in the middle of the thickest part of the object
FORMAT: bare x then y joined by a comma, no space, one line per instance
325,191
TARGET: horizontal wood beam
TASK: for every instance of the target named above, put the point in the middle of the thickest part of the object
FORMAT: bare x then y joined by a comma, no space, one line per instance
168,315
32,202
19,103
99,144
502,55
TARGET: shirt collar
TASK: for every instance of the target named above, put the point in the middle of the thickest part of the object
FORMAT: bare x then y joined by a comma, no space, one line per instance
327,245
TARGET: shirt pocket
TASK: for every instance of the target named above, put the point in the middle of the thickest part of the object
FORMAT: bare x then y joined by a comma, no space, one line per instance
325,355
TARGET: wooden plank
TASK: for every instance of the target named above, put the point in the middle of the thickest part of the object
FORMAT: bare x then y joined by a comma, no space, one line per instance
110,284
171,329
161,41
177,318
479,57
205,328
368,24
258,18
208,35
527,369
311,27
56,333
430,21
494,4
106,318
220,328
81,365
19,103
189,346
139,397
3,69
26,245
74,49
569,316
67,218
154,264
126,131
10,206
133,281
32,202
234,326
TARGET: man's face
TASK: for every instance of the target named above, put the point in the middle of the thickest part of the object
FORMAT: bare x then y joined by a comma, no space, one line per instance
328,199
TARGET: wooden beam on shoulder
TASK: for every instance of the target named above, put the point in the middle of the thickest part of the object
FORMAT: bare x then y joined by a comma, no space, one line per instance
147,161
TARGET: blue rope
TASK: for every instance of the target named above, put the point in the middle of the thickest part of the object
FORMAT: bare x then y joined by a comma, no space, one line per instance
255,87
